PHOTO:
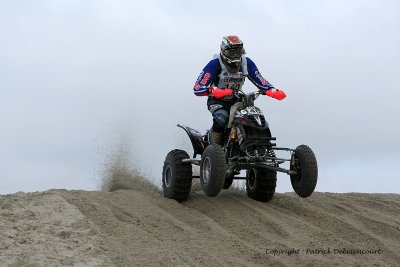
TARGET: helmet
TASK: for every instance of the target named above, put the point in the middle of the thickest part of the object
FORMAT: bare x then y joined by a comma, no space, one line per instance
231,52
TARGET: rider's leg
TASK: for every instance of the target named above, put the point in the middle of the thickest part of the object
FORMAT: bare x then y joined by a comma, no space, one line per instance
220,118
216,137
220,112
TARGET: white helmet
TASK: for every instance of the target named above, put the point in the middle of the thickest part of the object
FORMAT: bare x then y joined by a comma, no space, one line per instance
231,52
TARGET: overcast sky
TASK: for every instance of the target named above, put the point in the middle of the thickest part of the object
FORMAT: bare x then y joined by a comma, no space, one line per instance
80,79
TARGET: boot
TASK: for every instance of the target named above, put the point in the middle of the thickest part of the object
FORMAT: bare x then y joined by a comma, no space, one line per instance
216,138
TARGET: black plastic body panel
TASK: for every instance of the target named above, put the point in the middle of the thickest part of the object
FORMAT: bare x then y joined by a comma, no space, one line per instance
196,138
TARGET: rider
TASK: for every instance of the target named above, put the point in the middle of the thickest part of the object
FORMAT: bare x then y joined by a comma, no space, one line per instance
224,75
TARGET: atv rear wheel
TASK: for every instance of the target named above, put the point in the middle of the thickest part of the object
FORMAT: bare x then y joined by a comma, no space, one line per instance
176,176
305,165
260,184
212,170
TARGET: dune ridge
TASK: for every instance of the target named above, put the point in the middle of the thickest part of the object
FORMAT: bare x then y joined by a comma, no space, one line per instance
135,225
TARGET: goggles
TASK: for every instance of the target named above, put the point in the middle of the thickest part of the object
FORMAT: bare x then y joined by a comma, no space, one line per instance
234,53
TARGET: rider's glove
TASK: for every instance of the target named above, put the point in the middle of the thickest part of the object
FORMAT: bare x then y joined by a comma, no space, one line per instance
276,93
220,93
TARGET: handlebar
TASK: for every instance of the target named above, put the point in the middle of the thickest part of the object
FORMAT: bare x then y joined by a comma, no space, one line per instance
249,98
256,94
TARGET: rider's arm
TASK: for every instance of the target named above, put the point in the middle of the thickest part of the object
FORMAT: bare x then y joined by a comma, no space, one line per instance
261,83
206,78
256,78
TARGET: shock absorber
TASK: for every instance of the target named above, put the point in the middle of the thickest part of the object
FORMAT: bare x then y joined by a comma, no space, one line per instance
233,134
230,149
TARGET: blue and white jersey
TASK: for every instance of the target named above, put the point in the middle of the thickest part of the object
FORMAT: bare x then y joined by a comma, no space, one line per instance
216,74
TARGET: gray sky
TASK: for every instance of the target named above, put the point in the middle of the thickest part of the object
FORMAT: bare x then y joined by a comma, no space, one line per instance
79,79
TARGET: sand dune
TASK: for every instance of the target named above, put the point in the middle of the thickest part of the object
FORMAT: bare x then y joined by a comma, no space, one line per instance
138,226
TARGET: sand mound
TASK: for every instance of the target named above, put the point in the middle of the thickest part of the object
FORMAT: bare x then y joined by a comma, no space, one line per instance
140,227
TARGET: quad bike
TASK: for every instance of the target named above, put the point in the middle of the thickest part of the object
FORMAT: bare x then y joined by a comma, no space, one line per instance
247,144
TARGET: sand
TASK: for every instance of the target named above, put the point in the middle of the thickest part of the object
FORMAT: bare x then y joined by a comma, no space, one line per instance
137,226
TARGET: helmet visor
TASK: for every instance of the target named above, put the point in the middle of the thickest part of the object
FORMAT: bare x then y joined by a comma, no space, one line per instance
234,53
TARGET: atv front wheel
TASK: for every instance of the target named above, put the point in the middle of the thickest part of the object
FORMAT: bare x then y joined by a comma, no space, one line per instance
305,165
176,176
212,170
260,184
